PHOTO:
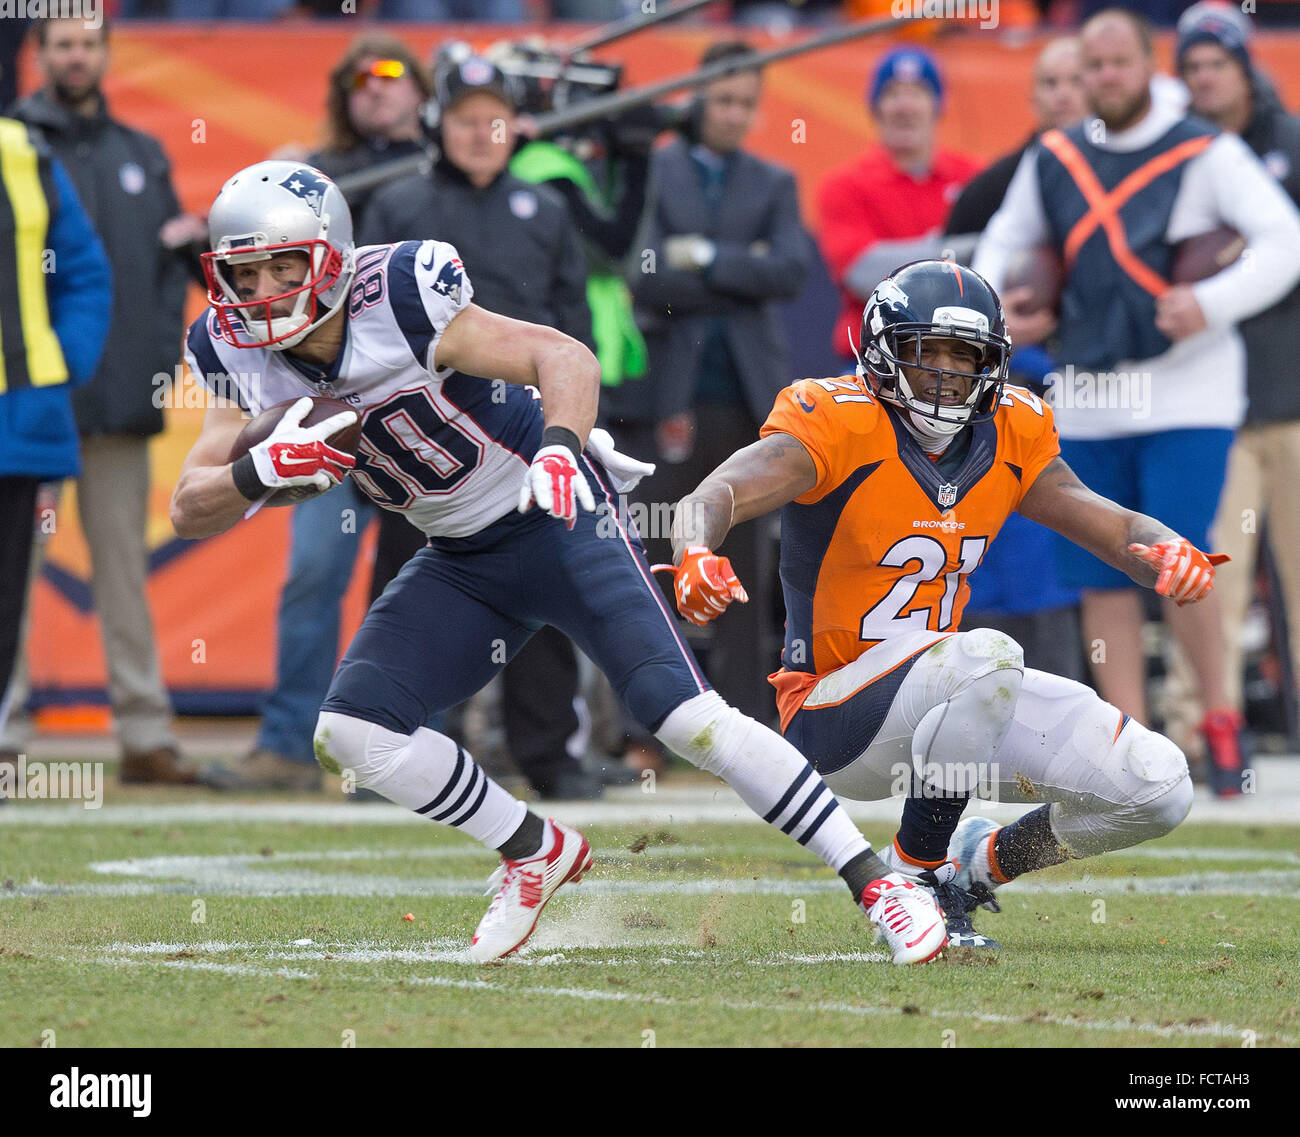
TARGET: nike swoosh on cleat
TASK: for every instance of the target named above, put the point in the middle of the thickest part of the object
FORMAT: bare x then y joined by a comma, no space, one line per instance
922,935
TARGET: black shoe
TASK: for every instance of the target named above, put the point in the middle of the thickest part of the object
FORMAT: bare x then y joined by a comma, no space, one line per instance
957,905
571,785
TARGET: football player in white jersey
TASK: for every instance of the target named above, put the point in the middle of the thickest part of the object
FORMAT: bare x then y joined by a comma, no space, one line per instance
455,436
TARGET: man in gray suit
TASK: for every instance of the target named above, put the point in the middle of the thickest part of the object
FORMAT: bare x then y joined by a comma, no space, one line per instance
727,244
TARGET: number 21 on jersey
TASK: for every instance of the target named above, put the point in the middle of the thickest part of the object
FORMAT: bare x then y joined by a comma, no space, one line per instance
893,614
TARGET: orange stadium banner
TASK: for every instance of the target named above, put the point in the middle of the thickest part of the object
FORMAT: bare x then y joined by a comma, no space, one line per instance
221,96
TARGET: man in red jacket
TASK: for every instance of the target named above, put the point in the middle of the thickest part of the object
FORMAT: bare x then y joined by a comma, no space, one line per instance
889,206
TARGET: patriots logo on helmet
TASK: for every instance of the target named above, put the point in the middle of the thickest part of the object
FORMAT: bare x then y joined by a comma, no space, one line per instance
449,280
309,185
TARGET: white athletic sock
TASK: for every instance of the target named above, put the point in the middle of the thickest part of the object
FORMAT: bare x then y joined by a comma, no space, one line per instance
424,771
769,774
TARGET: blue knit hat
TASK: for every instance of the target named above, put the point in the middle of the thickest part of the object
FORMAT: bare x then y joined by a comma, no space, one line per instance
1212,26
909,64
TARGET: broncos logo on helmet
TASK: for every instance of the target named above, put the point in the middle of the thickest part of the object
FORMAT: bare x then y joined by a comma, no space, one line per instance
308,184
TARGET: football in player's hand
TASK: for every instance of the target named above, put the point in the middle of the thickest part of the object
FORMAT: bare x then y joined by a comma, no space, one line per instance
1202,256
1038,270
259,429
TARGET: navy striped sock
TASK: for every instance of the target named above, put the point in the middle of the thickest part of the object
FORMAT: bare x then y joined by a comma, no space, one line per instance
928,824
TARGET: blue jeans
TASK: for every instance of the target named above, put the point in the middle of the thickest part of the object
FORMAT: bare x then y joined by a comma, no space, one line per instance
322,555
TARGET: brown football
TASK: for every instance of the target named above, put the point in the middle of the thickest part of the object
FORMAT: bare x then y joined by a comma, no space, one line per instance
1205,254
259,429
1039,270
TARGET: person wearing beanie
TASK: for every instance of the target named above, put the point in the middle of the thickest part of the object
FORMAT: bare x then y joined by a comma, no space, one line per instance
889,206
1264,464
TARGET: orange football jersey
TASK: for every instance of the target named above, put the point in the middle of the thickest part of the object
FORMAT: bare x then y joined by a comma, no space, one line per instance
884,541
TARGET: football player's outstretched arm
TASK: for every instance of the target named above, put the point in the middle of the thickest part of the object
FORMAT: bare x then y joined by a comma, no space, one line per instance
479,342
1150,552
756,480
205,500
753,481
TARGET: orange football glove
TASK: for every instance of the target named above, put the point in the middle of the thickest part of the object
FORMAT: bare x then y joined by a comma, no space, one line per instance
704,584
1186,573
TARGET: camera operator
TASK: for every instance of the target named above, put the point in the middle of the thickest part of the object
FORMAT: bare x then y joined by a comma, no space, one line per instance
602,173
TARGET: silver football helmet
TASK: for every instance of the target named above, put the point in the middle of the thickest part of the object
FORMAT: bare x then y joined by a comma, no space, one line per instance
270,208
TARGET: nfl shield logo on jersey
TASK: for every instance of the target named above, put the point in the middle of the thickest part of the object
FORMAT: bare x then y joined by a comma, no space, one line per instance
947,495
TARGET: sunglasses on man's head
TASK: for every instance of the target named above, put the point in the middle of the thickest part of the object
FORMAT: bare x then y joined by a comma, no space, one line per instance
380,69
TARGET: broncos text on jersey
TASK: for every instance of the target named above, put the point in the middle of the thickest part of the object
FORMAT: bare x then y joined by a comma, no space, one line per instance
884,541
449,451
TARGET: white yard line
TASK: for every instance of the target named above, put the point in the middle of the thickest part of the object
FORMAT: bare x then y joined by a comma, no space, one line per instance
584,994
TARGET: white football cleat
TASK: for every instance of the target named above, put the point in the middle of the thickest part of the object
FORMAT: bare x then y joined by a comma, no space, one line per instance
522,890
907,917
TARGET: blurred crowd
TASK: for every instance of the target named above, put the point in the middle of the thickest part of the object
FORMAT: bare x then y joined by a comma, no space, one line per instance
554,228
773,15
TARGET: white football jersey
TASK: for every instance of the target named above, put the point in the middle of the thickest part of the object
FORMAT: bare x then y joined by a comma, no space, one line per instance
450,451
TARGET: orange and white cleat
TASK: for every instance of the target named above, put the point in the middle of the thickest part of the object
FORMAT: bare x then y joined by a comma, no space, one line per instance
522,889
907,917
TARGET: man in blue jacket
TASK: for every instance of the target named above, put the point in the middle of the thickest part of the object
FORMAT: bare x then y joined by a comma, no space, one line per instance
55,302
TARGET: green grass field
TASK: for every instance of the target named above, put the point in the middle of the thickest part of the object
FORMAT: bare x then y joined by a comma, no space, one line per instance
192,931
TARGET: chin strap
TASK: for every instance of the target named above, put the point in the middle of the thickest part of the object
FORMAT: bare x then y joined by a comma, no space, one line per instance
928,440
300,335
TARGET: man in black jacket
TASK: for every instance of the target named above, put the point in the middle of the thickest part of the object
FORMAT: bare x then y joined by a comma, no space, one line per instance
523,252
727,244
124,181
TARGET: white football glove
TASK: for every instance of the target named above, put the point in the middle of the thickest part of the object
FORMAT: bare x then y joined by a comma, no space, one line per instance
296,455
556,484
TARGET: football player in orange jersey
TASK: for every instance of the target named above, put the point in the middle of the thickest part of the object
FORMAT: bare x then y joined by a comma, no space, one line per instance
893,485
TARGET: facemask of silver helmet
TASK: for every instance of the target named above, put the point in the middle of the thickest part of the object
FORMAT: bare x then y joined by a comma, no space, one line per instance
265,210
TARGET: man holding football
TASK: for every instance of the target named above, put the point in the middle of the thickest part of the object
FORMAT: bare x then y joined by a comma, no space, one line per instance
893,485
453,437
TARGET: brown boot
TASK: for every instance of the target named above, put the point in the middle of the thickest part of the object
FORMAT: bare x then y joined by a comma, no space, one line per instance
159,767
265,770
